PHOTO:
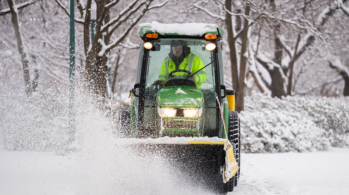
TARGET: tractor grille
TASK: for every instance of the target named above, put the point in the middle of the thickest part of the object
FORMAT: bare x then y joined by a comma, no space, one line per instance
179,124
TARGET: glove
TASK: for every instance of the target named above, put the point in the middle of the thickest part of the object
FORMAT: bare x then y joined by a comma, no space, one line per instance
192,78
159,82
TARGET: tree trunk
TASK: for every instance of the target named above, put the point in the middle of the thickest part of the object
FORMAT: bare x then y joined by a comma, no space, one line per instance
277,83
101,69
87,24
35,81
346,86
240,104
21,48
278,46
344,74
232,48
107,42
94,68
89,63
291,67
256,81
115,73
238,22
100,79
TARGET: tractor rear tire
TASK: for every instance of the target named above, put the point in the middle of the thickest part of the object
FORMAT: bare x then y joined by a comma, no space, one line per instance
234,138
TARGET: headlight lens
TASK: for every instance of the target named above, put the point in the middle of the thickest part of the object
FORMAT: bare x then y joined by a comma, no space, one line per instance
191,112
148,45
168,112
210,46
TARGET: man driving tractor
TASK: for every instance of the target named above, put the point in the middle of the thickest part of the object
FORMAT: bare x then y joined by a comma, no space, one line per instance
181,58
180,109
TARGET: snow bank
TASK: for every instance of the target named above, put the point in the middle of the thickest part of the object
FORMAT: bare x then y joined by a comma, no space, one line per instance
294,123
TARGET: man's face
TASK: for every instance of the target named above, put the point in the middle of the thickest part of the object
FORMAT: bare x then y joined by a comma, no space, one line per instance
177,51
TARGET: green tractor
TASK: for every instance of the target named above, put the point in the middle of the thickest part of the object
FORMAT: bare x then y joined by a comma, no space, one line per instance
177,112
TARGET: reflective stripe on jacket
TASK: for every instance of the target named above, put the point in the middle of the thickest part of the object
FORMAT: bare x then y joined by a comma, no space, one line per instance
191,61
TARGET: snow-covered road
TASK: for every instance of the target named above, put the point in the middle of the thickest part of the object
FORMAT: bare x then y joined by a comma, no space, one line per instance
96,173
314,173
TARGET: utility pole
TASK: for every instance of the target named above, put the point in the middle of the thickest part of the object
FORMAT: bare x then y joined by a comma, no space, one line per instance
72,73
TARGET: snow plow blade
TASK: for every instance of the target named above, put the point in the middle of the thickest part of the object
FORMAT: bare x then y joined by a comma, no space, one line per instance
210,160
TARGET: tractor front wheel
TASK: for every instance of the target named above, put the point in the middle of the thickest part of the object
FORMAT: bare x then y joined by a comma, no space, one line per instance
229,186
234,138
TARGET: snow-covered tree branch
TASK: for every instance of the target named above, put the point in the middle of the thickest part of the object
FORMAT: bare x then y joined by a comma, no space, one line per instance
105,37
65,9
343,72
19,6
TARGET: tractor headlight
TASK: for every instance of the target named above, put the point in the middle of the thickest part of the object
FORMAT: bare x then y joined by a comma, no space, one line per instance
148,45
191,112
168,112
210,46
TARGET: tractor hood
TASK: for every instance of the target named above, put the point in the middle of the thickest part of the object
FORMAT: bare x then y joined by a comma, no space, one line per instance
180,97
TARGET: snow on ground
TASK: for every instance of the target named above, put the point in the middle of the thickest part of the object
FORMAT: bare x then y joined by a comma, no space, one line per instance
96,164
100,170
98,167
295,173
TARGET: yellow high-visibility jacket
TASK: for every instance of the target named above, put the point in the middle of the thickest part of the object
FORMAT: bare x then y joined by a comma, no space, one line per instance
192,62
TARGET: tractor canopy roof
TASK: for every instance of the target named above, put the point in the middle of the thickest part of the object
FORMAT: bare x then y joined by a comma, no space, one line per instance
184,29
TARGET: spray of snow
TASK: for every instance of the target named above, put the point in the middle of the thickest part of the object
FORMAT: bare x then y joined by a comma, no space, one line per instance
93,164
113,168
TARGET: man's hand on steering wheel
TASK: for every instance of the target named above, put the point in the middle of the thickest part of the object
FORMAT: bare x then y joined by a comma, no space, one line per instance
175,71
192,78
159,83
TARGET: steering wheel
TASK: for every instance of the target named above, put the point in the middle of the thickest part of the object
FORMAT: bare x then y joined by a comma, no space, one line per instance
175,71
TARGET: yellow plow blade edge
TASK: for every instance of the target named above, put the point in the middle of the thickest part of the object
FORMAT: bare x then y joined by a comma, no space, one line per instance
212,158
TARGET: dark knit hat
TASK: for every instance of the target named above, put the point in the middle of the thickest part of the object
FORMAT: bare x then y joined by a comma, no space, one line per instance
178,43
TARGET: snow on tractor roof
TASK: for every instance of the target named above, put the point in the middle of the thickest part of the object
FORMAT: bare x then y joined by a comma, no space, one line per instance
185,29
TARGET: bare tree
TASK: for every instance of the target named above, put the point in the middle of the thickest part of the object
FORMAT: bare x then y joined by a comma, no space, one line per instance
275,22
105,33
281,67
19,6
343,72
13,9
237,39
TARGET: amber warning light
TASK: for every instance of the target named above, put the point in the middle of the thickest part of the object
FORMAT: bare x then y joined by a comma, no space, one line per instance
152,35
210,36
